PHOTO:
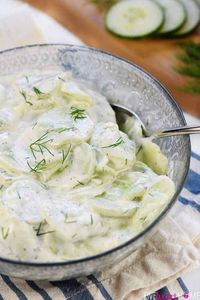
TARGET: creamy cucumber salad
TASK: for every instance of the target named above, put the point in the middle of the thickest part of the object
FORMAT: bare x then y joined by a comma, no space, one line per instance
71,183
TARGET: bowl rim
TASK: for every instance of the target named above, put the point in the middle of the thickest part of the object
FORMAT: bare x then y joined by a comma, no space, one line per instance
170,204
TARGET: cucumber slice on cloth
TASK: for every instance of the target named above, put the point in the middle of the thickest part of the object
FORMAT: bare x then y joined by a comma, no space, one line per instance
134,18
193,17
175,15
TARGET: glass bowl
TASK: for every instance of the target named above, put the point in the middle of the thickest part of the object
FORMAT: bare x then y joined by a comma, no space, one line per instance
121,82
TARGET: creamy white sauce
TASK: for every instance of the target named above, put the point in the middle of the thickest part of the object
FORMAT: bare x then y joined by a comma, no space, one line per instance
71,183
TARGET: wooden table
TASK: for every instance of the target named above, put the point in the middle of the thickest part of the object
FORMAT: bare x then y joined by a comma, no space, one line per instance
157,56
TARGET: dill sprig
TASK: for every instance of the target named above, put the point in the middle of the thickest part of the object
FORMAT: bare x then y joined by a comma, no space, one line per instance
81,183
77,113
65,155
5,232
190,65
39,231
118,142
40,145
60,130
40,166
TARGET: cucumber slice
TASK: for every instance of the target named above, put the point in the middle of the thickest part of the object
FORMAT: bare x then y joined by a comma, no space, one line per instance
175,16
115,208
134,18
152,156
193,17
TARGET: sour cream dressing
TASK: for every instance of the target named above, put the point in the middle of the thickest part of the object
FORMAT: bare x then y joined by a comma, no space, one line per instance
71,183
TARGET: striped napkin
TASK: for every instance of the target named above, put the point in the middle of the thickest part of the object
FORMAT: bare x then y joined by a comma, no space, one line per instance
157,266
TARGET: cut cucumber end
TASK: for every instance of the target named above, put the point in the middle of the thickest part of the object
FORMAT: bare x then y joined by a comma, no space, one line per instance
134,18
193,18
175,16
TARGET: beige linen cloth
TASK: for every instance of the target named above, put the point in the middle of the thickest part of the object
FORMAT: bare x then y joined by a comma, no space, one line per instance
172,250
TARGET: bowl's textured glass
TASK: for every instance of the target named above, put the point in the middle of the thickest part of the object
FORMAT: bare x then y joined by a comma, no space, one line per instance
121,82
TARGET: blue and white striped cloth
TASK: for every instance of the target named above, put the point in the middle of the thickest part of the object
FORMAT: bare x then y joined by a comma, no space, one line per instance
90,287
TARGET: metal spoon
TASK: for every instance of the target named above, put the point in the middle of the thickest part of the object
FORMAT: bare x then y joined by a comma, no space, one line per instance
122,113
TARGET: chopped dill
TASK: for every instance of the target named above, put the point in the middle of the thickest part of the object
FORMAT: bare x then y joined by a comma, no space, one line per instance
40,166
125,212
65,155
81,183
60,78
39,229
70,222
139,149
77,113
66,216
91,220
37,91
4,232
19,196
118,142
60,130
27,79
23,93
34,125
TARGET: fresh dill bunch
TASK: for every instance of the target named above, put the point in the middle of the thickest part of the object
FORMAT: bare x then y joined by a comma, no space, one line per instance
192,50
190,69
192,87
103,4
189,65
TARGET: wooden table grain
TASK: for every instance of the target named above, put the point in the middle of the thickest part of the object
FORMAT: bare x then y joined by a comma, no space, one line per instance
156,55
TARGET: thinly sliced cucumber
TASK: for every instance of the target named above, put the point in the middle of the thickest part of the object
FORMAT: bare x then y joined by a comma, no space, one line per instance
134,18
115,208
175,16
193,17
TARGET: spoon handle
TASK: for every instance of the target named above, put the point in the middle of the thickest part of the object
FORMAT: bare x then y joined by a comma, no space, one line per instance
179,131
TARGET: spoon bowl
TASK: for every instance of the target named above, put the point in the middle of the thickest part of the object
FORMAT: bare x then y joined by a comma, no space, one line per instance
122,113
